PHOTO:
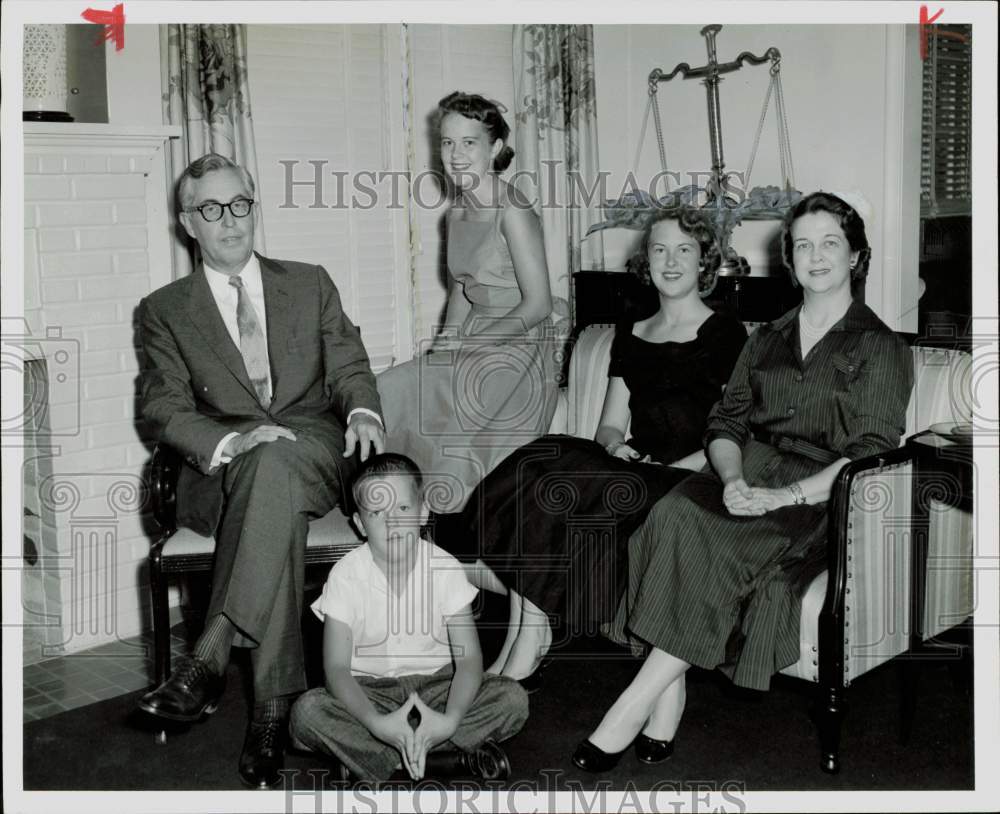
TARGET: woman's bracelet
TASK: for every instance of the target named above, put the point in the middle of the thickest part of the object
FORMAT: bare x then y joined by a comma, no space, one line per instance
614,446
798,498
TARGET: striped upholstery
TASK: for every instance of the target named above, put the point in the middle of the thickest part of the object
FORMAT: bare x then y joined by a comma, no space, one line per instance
877,605
588,379
949,569
877,608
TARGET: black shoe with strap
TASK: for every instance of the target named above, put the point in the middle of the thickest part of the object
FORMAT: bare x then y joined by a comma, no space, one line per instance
192,691
263,755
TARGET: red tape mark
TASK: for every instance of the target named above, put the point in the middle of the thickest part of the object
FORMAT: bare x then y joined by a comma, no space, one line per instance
113,22
926,31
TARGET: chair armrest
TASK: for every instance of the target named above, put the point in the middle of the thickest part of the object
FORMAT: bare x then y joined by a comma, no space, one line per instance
833,617
164,470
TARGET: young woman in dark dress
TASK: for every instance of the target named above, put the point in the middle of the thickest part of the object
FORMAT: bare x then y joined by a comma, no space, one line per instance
715,569
555,517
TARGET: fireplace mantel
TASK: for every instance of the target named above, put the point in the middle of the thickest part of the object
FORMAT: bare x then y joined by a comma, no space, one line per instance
105,135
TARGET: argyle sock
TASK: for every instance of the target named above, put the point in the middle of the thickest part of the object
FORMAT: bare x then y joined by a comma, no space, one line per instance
272,709
215,641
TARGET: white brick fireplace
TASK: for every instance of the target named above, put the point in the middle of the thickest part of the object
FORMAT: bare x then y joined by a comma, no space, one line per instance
95,241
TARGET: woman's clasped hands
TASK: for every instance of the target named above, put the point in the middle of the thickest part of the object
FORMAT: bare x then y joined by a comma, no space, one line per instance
743,500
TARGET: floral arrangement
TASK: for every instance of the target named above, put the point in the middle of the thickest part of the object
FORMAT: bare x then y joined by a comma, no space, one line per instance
632,209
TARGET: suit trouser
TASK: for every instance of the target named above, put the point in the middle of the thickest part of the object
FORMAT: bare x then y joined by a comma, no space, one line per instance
323,724
259,570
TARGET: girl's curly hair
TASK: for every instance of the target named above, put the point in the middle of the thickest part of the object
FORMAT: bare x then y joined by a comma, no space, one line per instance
693,223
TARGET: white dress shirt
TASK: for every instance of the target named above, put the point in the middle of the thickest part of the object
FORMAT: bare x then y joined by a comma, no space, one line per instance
226,299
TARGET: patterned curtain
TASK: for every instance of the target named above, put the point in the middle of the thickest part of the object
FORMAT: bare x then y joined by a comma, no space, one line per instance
556,137
205,91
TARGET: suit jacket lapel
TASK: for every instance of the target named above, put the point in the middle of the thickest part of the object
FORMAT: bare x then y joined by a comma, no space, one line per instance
204,313
277,306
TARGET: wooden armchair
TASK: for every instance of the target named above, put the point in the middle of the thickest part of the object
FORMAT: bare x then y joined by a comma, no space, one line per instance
870,605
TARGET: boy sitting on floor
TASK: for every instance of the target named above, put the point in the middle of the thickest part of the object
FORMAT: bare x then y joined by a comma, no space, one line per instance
397,616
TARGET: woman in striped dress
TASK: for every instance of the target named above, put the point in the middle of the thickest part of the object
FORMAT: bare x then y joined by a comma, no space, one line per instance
716,569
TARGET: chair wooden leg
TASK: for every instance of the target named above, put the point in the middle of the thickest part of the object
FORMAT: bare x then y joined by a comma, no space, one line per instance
161,628
161,619
830,716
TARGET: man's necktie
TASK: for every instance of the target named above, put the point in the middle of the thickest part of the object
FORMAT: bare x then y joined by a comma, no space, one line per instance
253,346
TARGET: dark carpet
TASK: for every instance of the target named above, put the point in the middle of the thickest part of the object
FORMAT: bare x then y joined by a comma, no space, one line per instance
750,741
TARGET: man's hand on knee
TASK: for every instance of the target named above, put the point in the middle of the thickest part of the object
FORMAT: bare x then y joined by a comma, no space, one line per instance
365,433
264,434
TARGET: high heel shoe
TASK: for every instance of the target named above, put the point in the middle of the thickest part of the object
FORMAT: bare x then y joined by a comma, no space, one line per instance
593,759
649,750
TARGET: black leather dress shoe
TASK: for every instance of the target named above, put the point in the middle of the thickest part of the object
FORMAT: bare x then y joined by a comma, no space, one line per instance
649,750
263,755
487,762
593,759
193,690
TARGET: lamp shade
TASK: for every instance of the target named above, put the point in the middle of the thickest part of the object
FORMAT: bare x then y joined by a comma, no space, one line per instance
45,87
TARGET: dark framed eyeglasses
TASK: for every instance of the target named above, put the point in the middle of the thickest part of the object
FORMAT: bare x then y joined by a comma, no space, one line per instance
212,211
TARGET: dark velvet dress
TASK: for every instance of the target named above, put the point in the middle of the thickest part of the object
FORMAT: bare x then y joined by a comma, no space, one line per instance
719,590
553,519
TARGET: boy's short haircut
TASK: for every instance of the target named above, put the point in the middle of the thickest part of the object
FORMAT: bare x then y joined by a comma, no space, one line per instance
386,463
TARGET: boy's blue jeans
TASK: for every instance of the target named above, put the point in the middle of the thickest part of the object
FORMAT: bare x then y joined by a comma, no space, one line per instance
319,721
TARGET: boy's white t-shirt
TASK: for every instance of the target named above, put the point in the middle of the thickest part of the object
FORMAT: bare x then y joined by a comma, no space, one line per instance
396,635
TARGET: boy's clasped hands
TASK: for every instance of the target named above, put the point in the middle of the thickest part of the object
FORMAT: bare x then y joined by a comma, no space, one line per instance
414,744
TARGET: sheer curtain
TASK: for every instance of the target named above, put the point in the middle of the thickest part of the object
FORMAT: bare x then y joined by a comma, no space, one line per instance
556,137
205,91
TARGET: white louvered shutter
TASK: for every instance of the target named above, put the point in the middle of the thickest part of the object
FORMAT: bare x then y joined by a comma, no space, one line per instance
946,143
474,59
332,93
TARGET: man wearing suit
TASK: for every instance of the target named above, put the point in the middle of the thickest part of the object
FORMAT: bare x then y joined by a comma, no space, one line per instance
255,374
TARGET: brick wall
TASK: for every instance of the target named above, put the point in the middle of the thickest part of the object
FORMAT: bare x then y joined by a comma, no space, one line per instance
94,232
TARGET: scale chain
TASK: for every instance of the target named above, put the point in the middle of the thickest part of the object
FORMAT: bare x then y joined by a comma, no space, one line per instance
642,133
756,138
658,124
783,129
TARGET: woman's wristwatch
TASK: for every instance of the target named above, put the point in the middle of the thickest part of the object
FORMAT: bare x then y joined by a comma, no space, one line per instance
798,498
